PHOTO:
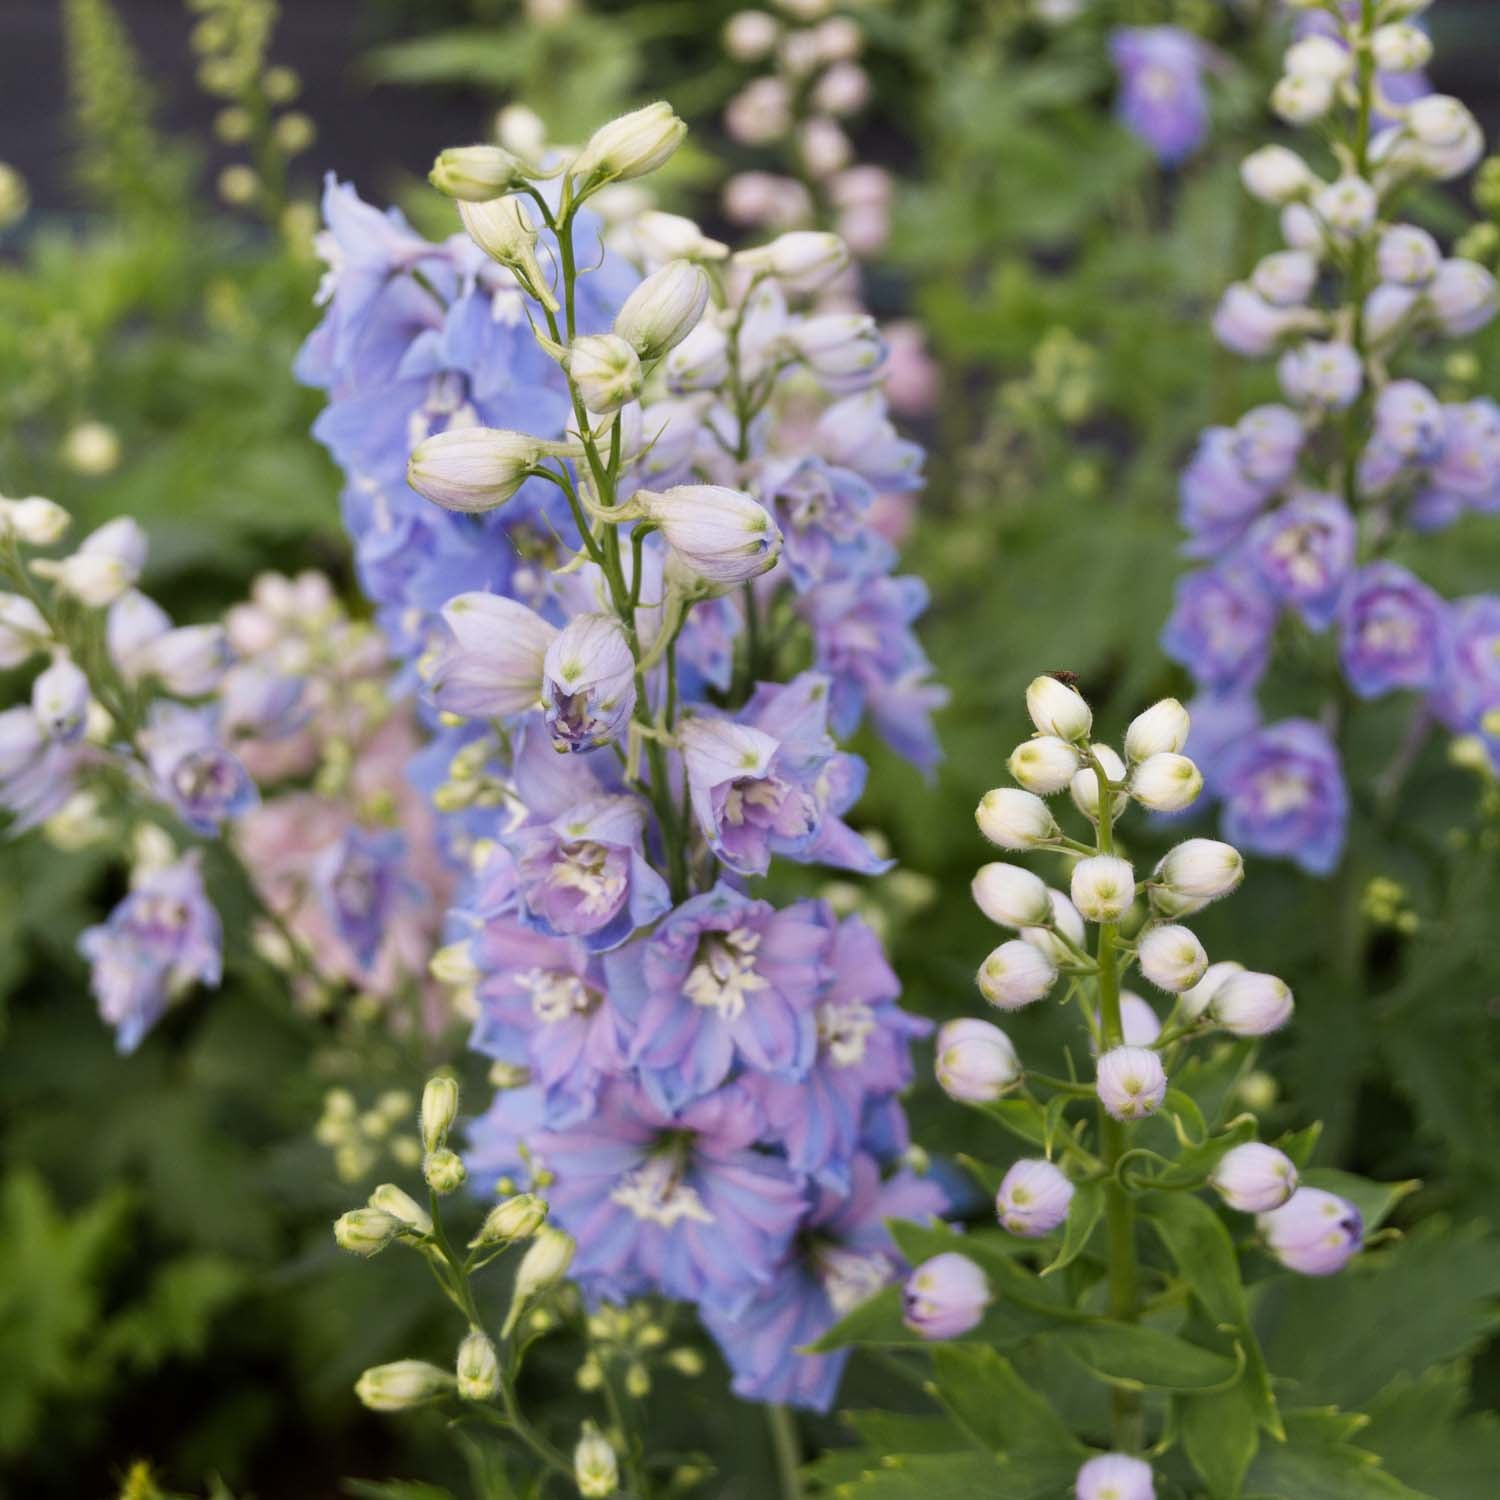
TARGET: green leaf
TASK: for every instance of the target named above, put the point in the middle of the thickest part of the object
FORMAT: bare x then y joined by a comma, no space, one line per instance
1318,1462
395,1489
1374,1200
1021,1117
1420,1429
1083,1214
1139,1355
998,1408
1220,1434
956,1476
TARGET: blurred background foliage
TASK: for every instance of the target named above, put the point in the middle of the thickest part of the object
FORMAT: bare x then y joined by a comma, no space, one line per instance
168,1288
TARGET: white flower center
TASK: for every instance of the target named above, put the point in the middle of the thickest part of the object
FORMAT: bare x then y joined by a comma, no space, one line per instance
586,868
724,974
844,1030
656,1193
556,994
850,1278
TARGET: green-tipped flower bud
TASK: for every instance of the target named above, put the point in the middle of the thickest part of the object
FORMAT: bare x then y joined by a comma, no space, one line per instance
439,1109
444,1170
406,1383
476,174
632,145
606,370
517,1218
390,1199
545,1264
472,468
504,231
478,1368
596,1470
663,309
366,1231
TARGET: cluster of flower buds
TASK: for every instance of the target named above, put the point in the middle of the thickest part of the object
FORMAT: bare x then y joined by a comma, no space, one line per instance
1297,506
617,496
1136,923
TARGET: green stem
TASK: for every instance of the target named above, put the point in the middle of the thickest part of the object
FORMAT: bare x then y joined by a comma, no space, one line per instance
786,1444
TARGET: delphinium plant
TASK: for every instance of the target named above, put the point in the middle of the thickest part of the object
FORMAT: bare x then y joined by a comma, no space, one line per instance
1306,510
614,501
1100,1342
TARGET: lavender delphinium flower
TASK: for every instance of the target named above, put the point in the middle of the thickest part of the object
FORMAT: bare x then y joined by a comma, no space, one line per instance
1162,98
1391,631
162,937
1220,628
195,775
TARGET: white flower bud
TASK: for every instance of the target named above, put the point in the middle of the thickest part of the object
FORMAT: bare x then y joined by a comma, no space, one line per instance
1400,49
439,1110
631,146
504,231
1058,709
406,1383
1194,1001
845,348
1285,279
605,369
1161,729
34,521
1015,819
1034,1198
1172,958
1103,887
1139,1024
473,468
60,699
750,35
390,1199
1462,297
1011,896
596,1470
1442,138
1347,207
1255,1178
803,260
1302,101
1166,783
1250,1004
975,1061
720,534
444,1170
1084,787
517,1218
106,564
1276,175
1196,872
1015,974
1043,765
1131,1082
700,362
365,1231
545,1264
477,1367
663,309
23,631
476,174
1438,120
1318,57
663,237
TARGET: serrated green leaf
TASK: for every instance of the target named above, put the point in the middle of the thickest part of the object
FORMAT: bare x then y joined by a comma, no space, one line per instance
1319,1462
1421,1431
1140,1355
992,1403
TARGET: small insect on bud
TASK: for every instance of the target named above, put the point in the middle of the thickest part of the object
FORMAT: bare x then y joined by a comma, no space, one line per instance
803,260
975,1061
390,1199
1103,887
1194,1001
1015,819
517,1218
630,146
663,309
1115,1476
1172,958
1011,896
596,1470
1084,787
1313,1232
478,1367
1131,1082
1043,765
404,1384
439,1110
366,1231
1033,1199
945,1297
1195,873
1016,974
476,173
545,1264
473,468
1058,709
444,1170
1255,1178
1250,1004
1166,783
1161,730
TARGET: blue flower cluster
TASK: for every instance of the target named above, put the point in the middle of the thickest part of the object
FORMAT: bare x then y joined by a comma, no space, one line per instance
631,717
1295,508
